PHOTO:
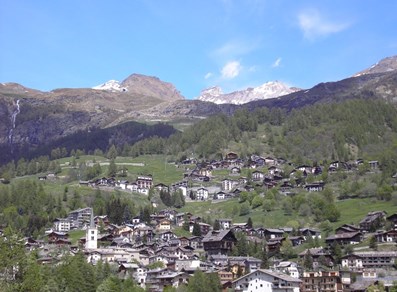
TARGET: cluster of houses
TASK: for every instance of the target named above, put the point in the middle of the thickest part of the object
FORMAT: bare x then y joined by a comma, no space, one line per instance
142,185
135,247
265,172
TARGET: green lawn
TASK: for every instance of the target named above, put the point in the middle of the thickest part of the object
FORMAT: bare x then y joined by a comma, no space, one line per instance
352,212
75,235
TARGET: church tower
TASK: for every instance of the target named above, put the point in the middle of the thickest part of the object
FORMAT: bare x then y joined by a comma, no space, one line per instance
91,235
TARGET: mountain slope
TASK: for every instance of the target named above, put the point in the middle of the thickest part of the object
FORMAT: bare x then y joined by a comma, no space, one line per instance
385,65
41,117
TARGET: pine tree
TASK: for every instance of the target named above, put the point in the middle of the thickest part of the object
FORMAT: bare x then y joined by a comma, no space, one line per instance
217,225
196,229
308,261
264,257
112,169
249,222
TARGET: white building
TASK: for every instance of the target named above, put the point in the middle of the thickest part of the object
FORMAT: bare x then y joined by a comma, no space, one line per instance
289,268
266,281
91,235
202,194
61,225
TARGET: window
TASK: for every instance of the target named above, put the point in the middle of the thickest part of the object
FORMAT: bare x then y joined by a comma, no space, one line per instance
92,237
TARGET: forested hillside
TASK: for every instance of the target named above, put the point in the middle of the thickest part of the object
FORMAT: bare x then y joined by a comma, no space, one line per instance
337,131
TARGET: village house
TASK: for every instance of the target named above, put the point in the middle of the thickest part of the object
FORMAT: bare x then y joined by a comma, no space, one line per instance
201,194
164,224
55,237
322,281
243,265
116,254
172,279
231,156
346,228
344,238
373,221
191,265
266,281
61,225
338,165
352,262
258,175
144,182
196,242
309,232
270,161
386,236
205,171
161,187
229,184
315,187
219,242
133,187
393,219
271,233
318,256
135,271
287,267
377,259
225,223
235,171
101,220
373,164
226,279
122,184
79,218
220,196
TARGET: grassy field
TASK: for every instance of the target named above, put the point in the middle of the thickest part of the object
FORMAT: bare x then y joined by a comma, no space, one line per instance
75,235
352,212
162,170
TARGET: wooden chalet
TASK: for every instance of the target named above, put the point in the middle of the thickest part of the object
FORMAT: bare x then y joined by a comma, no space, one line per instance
219,242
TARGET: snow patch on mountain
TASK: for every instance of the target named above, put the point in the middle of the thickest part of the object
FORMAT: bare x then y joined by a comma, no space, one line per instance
111,85
267,90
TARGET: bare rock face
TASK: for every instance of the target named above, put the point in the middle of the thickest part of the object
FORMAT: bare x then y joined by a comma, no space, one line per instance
142,85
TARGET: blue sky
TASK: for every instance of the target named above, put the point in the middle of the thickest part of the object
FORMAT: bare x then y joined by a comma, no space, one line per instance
192,44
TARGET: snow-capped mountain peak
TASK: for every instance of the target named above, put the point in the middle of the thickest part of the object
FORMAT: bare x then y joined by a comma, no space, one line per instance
111,85
271,89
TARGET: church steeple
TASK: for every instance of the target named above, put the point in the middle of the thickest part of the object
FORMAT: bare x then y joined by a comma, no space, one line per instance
91,235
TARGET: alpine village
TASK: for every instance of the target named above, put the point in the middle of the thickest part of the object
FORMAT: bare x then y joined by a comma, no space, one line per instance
130,187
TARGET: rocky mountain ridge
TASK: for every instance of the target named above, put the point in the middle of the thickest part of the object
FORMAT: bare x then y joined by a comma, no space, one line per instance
31,118
388,64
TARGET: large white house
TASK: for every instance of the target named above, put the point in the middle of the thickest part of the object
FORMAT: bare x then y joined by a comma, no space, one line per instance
266,281
202,194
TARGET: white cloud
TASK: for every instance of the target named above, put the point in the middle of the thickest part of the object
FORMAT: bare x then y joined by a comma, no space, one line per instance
208,75
231,70
277,63
314,25
236,48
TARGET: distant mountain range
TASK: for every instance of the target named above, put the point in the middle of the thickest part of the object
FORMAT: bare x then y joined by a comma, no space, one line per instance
267,90
41,117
